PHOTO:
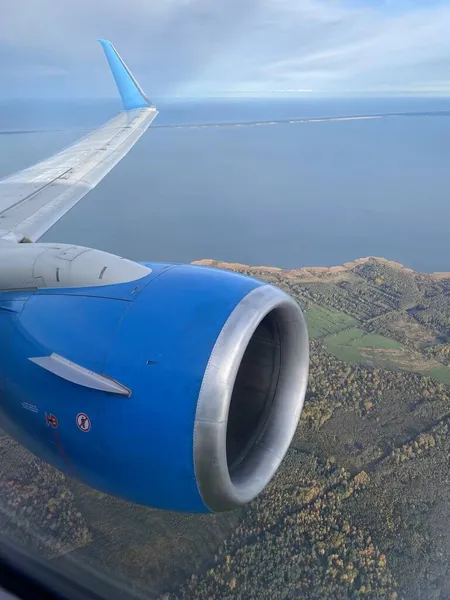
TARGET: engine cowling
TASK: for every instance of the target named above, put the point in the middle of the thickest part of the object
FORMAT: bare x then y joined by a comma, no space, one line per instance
208,372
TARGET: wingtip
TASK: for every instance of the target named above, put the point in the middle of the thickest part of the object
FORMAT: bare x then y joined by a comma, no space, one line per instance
131,92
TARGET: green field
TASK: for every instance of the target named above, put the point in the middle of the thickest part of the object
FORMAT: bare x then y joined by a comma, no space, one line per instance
347,345
440,374
323,321
355,346
374,340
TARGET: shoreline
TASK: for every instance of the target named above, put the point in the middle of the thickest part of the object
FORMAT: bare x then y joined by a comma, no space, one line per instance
305,272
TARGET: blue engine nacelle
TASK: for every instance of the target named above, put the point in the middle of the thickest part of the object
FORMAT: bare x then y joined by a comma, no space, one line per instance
208,372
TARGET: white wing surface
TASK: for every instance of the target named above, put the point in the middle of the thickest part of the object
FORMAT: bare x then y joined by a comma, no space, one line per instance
32,200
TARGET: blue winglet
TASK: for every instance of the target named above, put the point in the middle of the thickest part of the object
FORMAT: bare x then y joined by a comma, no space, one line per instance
130,91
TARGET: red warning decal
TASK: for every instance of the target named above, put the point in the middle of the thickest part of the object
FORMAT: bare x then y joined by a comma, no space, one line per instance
83,422
51,420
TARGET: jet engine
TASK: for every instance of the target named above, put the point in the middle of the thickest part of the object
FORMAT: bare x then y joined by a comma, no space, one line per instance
178,387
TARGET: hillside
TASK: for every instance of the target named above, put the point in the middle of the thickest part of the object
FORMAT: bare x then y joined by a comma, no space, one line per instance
371,311
360,507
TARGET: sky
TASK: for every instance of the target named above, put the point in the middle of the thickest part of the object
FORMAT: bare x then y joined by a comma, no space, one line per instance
226,47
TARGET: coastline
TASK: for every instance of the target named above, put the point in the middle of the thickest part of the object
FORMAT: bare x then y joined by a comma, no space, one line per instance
308,273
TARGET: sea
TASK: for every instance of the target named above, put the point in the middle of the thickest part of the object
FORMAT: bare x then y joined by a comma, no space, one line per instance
281,182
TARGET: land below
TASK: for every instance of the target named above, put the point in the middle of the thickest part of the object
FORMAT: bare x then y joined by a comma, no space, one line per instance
361,505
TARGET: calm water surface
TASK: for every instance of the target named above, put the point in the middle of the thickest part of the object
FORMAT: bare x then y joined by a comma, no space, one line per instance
290,194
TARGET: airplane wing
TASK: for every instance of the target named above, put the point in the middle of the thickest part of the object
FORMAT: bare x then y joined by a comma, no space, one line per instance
32,200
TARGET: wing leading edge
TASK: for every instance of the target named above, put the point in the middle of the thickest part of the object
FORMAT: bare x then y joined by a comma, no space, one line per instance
34,199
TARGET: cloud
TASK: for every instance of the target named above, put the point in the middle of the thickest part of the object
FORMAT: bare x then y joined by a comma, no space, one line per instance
200,47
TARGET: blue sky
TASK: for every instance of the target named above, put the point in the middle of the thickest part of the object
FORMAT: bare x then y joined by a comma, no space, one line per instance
222,47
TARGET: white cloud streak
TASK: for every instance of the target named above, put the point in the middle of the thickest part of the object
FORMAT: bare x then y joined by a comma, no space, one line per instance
197,47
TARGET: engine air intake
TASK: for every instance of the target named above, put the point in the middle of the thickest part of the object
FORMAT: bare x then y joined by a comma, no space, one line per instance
251,398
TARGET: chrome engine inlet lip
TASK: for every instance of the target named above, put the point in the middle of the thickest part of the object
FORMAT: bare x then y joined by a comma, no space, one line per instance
220,490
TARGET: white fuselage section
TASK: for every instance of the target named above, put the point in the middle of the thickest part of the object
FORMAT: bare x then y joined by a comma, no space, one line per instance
36,266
